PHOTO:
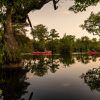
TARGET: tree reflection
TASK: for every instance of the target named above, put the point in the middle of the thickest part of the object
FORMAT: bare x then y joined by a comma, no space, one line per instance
41,65
12,83
53,64
67,59
92,78
84,58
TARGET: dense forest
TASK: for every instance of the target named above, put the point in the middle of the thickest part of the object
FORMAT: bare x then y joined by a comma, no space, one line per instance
14,17
44,40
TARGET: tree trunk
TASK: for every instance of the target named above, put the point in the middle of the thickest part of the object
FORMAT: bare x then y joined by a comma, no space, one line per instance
8,31
10,43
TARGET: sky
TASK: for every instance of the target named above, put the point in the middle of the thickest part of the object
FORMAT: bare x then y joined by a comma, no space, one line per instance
63,20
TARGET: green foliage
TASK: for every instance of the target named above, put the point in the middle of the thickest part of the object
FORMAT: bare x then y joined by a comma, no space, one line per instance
44,40
40,32
67,43
53,45
16,12
11,56
83,44
53,34
38,46
25,44
21,8
92,24
53,42
40,35
81,5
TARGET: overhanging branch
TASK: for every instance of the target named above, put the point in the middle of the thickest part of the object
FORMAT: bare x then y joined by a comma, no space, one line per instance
54,3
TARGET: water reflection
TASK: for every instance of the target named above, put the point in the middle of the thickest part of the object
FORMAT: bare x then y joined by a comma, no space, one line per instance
14,82
40,65
92,78
84,58
67,59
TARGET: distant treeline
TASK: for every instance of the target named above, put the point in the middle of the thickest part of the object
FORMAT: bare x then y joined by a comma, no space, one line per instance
44,40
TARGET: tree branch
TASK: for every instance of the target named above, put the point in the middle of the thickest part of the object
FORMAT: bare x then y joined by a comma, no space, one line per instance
54,3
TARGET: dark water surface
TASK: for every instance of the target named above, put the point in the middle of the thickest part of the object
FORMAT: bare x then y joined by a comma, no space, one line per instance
67,77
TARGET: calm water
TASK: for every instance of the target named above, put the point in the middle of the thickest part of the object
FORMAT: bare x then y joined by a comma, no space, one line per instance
67,77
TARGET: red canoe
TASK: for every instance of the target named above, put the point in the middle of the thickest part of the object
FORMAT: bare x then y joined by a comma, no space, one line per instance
42,53
93,52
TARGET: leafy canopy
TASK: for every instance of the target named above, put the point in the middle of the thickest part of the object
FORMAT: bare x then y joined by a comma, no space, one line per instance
92,24
20,8
81,5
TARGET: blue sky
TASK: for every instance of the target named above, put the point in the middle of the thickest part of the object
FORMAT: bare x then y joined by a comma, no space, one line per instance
62,20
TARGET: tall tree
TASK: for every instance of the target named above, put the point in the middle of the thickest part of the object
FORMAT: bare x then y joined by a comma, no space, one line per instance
40,35
81,5
12,12
53,34
53,42
92,24
67,43
40,32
